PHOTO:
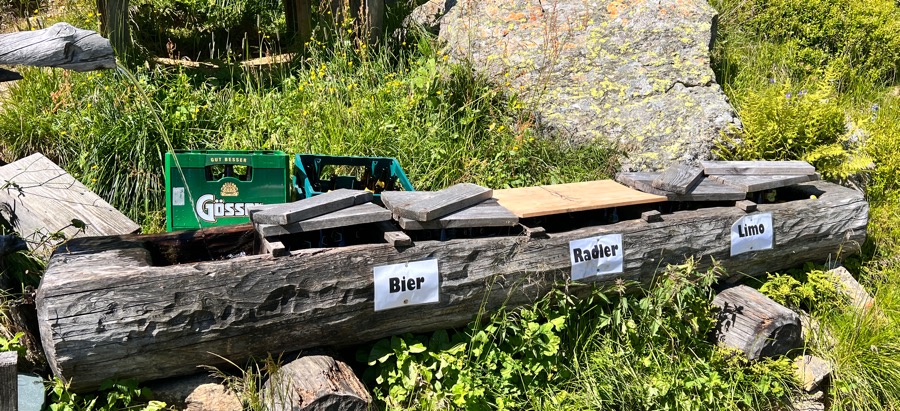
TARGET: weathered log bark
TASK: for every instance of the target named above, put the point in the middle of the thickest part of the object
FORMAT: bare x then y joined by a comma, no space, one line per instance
315,383
9,383
754,324
105,311
60,45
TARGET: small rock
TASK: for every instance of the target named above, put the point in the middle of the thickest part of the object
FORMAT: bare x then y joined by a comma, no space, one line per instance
859,297
31,392
429,15
196,392
811,371
212,397
808,405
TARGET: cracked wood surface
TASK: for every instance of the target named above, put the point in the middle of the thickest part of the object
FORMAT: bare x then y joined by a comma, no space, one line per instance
60,45
105,312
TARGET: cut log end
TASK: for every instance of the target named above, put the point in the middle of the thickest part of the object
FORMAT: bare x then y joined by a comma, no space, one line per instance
313,383
754,324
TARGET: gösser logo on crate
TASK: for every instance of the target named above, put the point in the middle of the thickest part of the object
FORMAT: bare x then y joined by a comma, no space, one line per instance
209,188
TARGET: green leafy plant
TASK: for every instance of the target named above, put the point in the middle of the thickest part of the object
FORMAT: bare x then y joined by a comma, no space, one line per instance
809,289
646,351
112,396
13,344
785,122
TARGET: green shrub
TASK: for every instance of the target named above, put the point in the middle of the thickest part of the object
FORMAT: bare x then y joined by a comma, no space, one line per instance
786,122
859,42
809,289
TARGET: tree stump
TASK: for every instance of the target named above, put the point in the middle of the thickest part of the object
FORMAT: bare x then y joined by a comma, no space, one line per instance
754,324
315,383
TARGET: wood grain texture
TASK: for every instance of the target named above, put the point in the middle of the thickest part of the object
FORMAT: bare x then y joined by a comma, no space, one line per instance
489,213
443,202
569,198
287,213
101,317
393,235
274,247
359,214
60,45
746,206
707,190
9,382
651,216
757,167
678,179
749,321
315,383
759,183
38,198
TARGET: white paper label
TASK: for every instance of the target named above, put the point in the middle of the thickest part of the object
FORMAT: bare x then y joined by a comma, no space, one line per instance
752,233
399,285
596,256
178,196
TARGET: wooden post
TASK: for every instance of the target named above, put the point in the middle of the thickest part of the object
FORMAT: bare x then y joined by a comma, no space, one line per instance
9,383
114,23
297,14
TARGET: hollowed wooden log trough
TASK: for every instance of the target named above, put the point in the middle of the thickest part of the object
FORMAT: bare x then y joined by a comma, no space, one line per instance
107,311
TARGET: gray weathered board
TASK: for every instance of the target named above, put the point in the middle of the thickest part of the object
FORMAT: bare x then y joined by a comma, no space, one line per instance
678,179
39,198
707,190
393,235
441,203
104,312
757,167
60,45
751,183
488,213
358,214
308,208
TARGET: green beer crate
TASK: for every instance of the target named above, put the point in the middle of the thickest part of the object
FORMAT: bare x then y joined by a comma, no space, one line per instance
215,187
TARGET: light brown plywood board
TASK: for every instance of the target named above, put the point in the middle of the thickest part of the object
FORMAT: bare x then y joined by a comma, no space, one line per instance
567,198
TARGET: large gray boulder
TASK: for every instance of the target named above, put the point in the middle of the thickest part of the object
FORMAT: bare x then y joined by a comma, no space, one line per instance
636,73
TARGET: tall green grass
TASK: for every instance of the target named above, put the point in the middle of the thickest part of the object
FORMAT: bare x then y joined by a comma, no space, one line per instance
442,122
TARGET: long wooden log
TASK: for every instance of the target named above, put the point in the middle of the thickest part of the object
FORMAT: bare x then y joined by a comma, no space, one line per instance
60,45
105,312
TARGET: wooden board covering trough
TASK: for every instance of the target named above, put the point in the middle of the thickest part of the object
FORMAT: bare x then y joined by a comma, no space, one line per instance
105,311
569,198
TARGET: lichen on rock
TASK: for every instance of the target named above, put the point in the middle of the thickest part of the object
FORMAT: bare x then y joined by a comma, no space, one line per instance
634,72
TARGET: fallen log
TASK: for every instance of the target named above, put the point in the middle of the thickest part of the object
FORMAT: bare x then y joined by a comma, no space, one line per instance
106,311
60,45
754,324
315,383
